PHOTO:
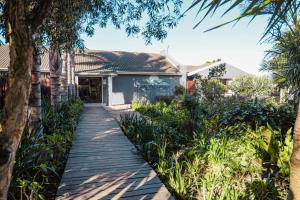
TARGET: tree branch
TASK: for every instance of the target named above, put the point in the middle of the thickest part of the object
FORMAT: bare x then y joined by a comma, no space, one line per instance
38,14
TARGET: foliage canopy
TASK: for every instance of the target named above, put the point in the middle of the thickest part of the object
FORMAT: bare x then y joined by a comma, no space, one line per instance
283,60
70,18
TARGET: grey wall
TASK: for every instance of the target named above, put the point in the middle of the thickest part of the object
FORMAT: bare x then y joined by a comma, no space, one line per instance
127,88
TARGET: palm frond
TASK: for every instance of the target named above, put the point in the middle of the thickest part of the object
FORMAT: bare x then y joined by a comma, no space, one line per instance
277,10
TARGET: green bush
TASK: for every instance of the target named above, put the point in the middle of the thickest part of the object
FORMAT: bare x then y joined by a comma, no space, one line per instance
166,99
222,166
179,90
256,113
239,149
252,86
176,116
210,90
41,157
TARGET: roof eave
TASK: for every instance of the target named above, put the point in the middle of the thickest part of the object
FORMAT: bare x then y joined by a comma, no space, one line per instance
150,73
90,74
204,68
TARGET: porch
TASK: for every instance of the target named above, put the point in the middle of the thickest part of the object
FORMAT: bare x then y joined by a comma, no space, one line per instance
95,89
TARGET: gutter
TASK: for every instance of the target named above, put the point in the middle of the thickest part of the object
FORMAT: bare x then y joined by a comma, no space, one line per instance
84,74
149,73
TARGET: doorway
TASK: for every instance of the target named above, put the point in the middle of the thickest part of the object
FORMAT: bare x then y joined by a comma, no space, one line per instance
90,89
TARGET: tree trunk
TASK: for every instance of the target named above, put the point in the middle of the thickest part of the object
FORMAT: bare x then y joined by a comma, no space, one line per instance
294,192
70,75
64,78
55,75
35,100
18,91
73,73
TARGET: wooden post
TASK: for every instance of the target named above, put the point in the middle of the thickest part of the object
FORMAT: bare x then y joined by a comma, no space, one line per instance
109,88
76,86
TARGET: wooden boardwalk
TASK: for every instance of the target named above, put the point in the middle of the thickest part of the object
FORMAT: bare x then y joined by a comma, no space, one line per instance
104,164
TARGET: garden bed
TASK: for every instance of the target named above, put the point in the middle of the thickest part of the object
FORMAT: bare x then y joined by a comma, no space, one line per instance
41,157
226,150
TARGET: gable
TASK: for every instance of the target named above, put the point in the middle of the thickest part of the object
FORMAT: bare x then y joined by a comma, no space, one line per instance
231,71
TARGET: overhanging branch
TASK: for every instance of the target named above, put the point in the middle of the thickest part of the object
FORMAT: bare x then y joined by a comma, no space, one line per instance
39,13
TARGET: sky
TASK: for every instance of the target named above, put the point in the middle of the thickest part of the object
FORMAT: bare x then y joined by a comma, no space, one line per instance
238,44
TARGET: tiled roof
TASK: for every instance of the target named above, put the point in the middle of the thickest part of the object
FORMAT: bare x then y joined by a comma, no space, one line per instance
4,59
93,61
120,61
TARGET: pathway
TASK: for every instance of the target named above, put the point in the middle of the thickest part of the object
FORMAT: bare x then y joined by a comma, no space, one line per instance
104,164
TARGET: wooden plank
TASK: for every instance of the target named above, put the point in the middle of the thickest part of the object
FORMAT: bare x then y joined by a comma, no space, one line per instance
136,184
131,194
81,180
98,174
106,170
103,164
95,166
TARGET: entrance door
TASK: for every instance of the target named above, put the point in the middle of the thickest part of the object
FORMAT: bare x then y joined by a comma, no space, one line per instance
90,90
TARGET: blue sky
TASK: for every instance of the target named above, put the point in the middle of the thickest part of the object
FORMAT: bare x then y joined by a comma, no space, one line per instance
236,44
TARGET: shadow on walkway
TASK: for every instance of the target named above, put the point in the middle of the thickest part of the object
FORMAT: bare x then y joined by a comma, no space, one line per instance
103,164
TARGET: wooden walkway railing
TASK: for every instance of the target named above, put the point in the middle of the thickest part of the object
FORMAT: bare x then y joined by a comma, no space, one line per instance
103,164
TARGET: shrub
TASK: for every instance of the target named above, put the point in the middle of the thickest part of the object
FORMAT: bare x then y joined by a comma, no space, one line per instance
252,86
136,104
166,99
41,158
277,148
257,113
210,90
179,90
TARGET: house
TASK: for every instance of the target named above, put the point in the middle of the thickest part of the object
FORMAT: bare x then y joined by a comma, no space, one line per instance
115,77
230,72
